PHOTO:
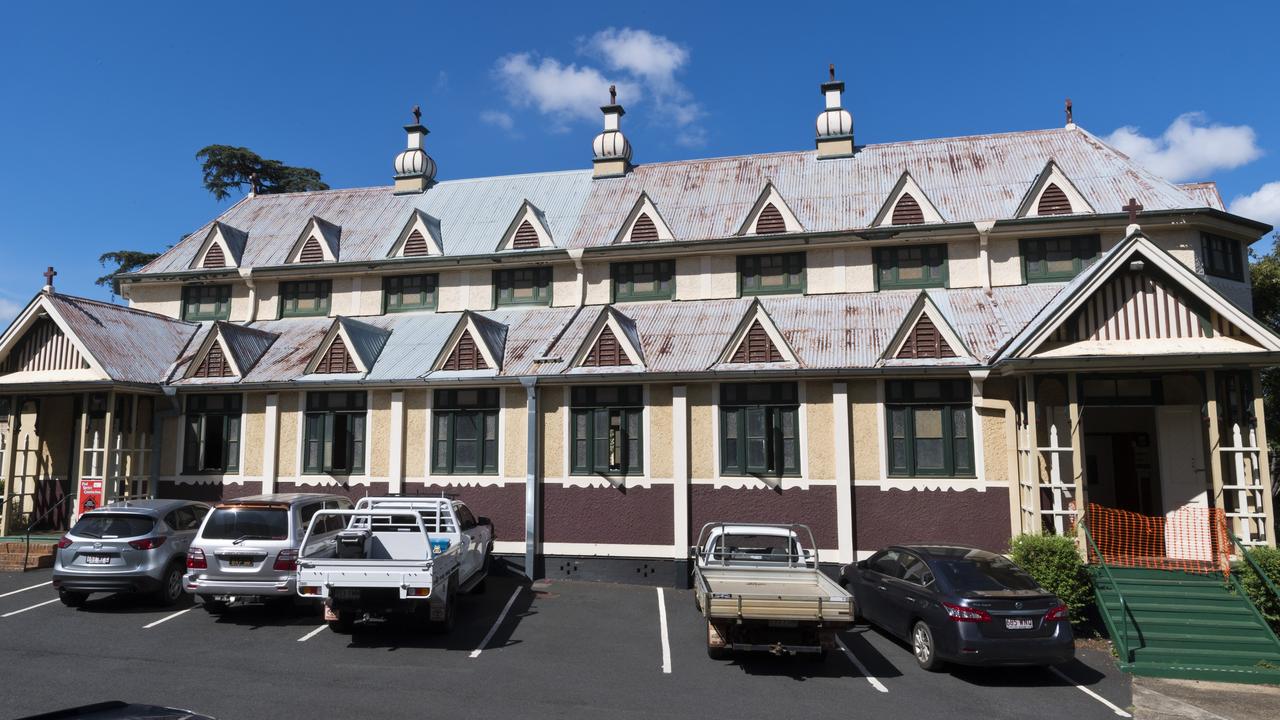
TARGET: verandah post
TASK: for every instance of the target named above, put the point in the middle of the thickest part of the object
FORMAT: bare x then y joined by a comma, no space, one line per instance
1264,457
1077,461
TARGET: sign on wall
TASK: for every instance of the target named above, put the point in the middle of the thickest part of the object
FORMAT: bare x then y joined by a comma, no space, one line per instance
91,495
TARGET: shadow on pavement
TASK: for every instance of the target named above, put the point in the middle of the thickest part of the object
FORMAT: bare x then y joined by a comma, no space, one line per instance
131,604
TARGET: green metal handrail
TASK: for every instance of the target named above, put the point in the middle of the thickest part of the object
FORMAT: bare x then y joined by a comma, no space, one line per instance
1244,553
1124,605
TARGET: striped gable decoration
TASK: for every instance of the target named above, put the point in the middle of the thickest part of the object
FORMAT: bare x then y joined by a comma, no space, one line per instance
644,230
925,341
526,237
214,257
336,359
311,252
770,221
607,352
1142,306
756,347
44,347
1053,201
214,364
907,211
465,355
416,245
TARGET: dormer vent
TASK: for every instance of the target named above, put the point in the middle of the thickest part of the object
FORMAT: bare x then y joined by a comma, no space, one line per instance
835,124
612,149
415,170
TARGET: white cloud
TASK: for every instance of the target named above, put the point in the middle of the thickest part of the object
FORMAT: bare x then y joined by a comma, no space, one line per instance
640,52
562,91
1190,148
1262,205
8,311
497,118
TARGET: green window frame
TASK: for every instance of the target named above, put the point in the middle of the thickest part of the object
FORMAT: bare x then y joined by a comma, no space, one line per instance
929,428
464,432
645,280
606,430
211,442
760,429
305,298
405,293
911,266
206,302
1222,256
1055,259
522,286
775,274
334,434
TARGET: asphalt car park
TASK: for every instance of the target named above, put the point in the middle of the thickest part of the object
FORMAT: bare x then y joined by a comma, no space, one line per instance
553,650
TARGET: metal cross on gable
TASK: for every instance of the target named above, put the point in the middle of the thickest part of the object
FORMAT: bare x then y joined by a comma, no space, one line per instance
1133,208
49,275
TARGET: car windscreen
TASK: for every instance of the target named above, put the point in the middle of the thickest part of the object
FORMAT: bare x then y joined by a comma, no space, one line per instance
754,549
984,574
248,523
103,526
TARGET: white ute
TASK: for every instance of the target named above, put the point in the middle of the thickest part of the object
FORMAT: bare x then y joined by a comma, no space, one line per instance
396,556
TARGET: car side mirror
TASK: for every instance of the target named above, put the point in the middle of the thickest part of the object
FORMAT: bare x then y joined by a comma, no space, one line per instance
693,551
861,564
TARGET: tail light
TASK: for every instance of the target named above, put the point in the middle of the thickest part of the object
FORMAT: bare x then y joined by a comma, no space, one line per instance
150,543
64,542
960,613
286,561
195,559
1058,613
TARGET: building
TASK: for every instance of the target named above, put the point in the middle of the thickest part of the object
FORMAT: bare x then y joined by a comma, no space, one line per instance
957,339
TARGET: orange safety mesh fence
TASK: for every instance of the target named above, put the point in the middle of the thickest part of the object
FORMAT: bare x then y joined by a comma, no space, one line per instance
1190,539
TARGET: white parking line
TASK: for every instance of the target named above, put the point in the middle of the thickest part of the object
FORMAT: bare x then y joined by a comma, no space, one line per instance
31,587
1114,708
32,607
167,618
666,642
313,633
496,624
861,668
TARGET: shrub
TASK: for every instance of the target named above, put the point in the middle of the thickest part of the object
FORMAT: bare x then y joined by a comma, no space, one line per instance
1054,562
1268,559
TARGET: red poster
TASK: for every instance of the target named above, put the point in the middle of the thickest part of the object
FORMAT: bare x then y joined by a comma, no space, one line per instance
91,495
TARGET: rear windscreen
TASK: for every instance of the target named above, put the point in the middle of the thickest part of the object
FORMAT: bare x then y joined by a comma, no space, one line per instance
753,549
986,574
106,526
248,523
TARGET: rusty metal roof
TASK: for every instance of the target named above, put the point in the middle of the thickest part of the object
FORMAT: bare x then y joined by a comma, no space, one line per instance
132,346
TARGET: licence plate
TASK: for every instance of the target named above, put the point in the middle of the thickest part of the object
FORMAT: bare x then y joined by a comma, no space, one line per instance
97,559
1018,623
240,562
784,623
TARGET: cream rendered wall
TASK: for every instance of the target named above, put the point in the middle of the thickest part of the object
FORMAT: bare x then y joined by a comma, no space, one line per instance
453,291
415,432
287,452
341,296
161,299
724,276
552,410
1004,255
268,299
702,442
964,264
599,283
859,269
659,459
367,295
690,283
819,420
252,427
564,285
240,302
825,271
1182,243
379,434
480,290
866,430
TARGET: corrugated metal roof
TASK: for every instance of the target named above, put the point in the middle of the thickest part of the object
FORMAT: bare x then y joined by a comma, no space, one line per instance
245,344
367,340
131,345
1207,192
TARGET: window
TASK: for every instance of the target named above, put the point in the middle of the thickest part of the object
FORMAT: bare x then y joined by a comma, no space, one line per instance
769,274
464,432
916,266
206,302
929,428
605,430
212,442
643,280
305,298
401,293
1222,256
1061,258
526,286
759,429
334,439
886,563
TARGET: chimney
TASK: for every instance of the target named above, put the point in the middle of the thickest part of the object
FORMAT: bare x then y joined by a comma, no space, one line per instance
612,149
415,170
835,124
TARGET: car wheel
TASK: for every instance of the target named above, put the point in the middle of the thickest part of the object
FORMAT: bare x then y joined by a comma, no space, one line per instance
922,646
170,585
214,607
71,598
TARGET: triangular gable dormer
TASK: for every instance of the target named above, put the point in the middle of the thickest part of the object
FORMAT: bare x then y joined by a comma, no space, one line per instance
757,340
1139,300
925,334
39,346
419,238
319,242
350,346
643,224
612,341
476,343
907,205
1052,194
770,215
527,231
223,246
228,350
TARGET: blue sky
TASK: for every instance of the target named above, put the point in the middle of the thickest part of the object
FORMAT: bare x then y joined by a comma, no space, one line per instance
104,106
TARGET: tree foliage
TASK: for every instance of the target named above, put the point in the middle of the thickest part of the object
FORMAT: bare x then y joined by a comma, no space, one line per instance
1264,273
124,261
228,168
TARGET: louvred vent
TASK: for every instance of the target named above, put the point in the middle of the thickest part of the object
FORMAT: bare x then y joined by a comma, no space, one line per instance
925,342
644,230
907,211
44,347
213,257
415,245
756,347
337,359
770,221
215,363
465,355
1053,201
526,237
607,351
311,252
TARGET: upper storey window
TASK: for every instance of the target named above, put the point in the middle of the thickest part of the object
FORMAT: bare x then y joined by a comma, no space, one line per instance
643,280
915,266
305,298
1054,259
523,286
206,302
771,274
402,293
1222,256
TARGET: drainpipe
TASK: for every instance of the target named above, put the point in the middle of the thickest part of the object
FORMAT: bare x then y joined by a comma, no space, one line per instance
531,477
246,274
984,233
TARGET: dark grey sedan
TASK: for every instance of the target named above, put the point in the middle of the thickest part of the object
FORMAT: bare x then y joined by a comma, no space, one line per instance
960,605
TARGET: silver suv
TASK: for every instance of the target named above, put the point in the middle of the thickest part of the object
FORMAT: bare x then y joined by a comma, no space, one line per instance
247,549
134,546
